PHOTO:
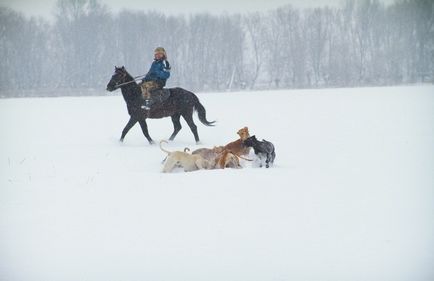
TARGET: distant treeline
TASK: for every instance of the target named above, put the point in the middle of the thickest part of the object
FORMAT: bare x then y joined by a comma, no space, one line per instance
360,43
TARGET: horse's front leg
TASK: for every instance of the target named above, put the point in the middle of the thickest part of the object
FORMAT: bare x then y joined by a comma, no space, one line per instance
144,127
129,125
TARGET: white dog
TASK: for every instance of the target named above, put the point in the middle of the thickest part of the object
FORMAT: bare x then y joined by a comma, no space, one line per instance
183,159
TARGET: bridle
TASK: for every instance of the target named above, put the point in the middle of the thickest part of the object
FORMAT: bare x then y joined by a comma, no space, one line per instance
119,81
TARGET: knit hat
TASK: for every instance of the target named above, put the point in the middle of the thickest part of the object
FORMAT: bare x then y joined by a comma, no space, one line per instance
160,50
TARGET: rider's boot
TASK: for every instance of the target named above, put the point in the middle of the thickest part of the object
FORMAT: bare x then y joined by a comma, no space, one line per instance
147,104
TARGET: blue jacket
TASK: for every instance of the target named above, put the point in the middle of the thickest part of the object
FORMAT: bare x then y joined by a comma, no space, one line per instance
159,72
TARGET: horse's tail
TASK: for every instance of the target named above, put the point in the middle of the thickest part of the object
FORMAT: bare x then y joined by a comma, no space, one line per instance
201,112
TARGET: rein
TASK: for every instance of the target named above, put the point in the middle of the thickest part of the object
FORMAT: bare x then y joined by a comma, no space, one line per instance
129,82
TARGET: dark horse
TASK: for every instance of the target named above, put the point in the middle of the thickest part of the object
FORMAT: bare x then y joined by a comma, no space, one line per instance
180,103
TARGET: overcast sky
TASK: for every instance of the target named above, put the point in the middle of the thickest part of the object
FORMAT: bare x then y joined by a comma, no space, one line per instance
44,7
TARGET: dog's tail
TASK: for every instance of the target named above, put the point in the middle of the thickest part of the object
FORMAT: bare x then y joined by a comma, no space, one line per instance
239,156
201,112
168,152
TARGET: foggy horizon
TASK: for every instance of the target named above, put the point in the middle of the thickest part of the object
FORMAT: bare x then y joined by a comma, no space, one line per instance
352,44
45,8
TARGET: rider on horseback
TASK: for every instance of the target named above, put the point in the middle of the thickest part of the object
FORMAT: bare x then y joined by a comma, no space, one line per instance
154,81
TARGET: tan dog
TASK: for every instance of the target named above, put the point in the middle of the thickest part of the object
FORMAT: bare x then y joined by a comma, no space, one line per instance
183,159
228,159
186,149
237,147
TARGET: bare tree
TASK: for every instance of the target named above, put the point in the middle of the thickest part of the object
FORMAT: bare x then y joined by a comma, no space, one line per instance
359,43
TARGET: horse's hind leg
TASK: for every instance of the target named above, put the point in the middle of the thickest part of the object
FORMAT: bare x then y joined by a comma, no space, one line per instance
144,127
176,126
189,119
129,125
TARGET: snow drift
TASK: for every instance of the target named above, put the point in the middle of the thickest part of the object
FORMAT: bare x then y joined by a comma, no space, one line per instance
350,197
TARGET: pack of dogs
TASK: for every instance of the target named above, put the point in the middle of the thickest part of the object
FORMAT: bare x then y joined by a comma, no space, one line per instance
221,157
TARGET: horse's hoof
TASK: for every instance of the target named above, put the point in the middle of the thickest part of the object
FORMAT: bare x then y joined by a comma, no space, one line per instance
198,143
151,142
121,140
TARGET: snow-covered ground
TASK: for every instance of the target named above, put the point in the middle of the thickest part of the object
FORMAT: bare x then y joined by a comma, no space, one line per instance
351,196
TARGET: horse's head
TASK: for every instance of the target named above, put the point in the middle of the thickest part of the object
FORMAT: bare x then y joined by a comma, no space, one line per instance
118,78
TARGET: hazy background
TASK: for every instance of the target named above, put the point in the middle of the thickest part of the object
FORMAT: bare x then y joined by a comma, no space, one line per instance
69,47
44,7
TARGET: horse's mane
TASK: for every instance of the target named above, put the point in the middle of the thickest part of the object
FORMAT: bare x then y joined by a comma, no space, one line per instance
129,76
132,91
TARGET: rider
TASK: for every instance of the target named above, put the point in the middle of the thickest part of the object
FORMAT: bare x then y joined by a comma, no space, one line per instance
154,81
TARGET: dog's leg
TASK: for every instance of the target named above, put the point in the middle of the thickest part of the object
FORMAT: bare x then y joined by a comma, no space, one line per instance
222,160
239,163
260,159
199,164
267,161
169,165
164,160
273,155
236,161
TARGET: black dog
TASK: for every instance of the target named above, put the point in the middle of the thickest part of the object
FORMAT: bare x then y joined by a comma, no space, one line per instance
264,149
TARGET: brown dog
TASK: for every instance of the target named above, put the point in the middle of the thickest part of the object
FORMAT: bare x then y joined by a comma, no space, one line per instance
219,157
237,147
229,159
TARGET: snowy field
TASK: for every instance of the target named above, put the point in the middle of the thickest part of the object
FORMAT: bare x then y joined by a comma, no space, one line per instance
351,196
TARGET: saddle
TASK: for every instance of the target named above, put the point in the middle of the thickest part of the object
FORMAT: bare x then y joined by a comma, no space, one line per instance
160,95
151,91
